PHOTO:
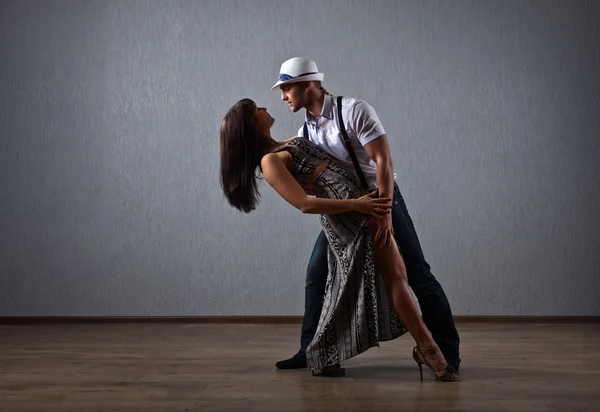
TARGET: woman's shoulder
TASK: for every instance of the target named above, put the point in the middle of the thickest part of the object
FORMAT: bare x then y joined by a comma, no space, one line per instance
279,154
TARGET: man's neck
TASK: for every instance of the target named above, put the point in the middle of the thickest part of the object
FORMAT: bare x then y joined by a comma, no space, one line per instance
316,106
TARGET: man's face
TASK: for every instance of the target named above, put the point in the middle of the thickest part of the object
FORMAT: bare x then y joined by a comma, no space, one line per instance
294,94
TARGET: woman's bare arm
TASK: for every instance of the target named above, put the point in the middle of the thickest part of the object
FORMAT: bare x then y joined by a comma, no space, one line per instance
280,178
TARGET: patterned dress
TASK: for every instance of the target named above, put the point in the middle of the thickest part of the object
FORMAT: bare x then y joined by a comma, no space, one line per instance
357,313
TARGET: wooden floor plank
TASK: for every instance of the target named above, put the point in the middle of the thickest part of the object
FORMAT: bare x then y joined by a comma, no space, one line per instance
230,367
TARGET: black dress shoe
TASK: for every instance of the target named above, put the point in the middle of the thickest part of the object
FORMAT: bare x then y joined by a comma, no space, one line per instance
298,361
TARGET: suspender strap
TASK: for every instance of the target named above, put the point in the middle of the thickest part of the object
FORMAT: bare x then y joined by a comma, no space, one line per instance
342,128
347,142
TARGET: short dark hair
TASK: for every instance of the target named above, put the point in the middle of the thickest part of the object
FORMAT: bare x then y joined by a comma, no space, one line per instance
242,148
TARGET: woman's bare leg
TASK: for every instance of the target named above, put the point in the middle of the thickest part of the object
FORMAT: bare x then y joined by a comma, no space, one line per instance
391,266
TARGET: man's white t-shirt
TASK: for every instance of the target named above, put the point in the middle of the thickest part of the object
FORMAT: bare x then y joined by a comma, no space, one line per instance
362,125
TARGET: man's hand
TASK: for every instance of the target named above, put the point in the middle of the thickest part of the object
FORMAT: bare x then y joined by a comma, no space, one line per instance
384,231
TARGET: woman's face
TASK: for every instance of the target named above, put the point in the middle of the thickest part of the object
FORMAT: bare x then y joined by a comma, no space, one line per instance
264,121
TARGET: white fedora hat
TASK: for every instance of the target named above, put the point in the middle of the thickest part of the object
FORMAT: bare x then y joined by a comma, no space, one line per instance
297,70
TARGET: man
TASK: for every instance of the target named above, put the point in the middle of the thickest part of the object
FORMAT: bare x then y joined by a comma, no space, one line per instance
300,84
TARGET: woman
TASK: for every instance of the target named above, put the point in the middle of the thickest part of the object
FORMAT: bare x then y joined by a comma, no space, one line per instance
359,310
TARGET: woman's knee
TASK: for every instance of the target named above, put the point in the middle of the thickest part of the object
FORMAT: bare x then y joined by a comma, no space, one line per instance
390,263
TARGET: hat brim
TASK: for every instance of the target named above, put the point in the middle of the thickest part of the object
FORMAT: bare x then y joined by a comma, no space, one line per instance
317,77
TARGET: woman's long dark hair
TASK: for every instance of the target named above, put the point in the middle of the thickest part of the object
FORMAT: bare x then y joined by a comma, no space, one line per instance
242,148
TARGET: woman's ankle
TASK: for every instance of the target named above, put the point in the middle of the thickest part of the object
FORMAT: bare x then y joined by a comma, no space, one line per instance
426,342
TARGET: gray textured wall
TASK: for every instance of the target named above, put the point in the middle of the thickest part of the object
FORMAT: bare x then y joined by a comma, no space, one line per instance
109,115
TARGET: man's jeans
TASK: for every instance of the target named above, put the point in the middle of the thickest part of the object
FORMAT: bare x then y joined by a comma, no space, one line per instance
435,308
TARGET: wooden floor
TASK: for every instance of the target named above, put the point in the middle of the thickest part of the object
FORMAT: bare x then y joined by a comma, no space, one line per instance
200,367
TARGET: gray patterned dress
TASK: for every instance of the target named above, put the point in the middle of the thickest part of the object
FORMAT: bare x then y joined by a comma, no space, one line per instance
357,313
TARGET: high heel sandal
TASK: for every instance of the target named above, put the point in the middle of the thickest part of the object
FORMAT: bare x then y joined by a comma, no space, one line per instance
448,374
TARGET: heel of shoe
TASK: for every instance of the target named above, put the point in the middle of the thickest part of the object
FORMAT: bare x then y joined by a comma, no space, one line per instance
419,361
448,375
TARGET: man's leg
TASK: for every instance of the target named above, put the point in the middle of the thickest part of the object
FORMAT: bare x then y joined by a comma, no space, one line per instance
434,304
316,278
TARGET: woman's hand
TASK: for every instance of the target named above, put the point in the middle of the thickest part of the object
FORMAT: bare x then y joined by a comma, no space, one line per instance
376,207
